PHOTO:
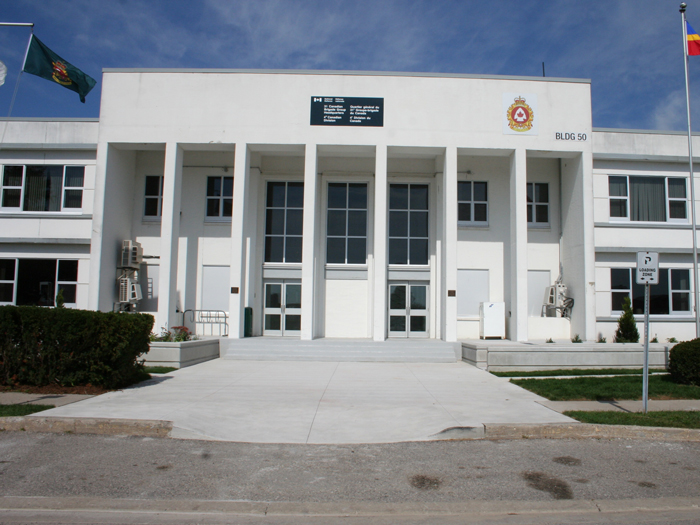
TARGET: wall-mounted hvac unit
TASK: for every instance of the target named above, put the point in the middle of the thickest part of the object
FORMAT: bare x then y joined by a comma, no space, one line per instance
131,255
129,290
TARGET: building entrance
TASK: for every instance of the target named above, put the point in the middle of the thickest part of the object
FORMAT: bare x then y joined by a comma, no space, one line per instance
408,309
282,309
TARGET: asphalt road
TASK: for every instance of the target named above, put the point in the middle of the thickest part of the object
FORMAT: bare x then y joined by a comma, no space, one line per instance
412,482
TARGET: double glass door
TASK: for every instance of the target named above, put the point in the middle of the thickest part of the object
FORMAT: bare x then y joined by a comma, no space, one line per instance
408,309
282,308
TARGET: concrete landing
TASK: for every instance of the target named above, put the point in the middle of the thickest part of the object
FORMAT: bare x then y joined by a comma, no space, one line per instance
321,402
341,350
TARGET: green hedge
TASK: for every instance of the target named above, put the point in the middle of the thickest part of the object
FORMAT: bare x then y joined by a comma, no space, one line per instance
684,362
42,346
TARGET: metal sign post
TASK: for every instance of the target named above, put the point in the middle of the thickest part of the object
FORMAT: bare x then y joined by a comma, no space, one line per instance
647,274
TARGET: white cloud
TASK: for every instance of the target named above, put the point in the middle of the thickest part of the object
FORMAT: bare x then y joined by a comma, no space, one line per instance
670,113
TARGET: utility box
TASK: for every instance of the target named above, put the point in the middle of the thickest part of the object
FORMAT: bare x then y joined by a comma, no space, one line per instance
492,320
248,322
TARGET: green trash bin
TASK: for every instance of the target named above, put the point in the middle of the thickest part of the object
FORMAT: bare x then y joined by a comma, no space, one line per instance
248,322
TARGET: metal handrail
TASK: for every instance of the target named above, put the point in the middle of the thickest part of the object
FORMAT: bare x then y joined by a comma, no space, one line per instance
210,318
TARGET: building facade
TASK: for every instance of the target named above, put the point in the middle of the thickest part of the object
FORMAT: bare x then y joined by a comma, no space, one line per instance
348,205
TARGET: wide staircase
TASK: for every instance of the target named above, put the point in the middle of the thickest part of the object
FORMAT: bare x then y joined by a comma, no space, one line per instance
282,349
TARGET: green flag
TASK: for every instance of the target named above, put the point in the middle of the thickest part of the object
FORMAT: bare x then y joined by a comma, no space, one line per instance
44,63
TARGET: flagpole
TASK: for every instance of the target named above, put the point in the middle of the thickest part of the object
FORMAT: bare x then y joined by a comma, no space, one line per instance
692,181
19,77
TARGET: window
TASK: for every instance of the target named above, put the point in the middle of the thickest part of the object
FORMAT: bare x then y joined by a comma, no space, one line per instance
669,296
346,233
7,281
472,203
648,199
42,188
219,197
36,282
153,202
408,224
538,203
284,221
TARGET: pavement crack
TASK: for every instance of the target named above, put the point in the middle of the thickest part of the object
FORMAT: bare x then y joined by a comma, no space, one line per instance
320,401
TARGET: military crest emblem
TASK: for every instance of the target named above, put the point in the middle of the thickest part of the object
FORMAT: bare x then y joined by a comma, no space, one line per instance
520,115
60,73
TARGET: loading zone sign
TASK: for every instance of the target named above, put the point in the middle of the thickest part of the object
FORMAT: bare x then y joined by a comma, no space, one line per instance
647,268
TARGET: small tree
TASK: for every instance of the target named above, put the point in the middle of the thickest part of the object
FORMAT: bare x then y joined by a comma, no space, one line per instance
626,326
60,301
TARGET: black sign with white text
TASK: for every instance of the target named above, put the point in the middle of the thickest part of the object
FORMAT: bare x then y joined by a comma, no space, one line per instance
347,111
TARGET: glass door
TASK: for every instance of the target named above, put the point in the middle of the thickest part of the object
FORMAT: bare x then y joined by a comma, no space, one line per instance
408,309
282,308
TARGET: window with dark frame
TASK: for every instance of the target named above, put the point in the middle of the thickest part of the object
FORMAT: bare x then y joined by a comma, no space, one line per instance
45,188
284,208
346,226
408,224
472,203
671,295
219,197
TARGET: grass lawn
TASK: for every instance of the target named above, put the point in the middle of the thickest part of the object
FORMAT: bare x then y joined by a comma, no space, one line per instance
21,410
607,388
577,372
159,369
670,418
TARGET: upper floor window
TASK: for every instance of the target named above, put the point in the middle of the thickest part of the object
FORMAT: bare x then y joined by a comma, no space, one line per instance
42,188
284,211
408,224
219,197
153,201
537,203
671,295
648,199
472,203
346,231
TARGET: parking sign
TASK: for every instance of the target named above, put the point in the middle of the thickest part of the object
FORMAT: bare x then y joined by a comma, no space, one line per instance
647,268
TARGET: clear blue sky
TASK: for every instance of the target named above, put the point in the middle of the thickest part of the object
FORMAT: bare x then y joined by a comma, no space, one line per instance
630,49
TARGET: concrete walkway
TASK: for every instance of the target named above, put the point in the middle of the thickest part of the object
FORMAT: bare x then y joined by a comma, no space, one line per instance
57,400
319,402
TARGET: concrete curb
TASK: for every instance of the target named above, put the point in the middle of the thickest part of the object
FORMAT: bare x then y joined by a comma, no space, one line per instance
351,508
130,427
588,431
162,429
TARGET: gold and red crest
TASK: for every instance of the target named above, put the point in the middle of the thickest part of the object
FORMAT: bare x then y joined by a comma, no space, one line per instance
60,74
520,115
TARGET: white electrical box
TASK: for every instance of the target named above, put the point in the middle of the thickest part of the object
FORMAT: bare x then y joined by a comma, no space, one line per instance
492,320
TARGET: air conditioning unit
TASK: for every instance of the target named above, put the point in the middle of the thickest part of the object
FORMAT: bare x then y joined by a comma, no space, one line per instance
132,255
129,290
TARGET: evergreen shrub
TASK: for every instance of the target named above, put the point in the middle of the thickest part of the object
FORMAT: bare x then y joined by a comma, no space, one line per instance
43,346
626,325
684,363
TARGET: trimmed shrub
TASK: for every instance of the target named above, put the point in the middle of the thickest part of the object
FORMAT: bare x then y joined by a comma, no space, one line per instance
42,346
626,325
684,363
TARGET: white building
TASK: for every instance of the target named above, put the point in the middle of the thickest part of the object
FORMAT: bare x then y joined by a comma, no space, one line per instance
348,205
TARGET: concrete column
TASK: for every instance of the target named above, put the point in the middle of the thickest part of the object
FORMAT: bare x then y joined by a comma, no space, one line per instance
518,246
308,253
241,183
449,237
169,238
380,243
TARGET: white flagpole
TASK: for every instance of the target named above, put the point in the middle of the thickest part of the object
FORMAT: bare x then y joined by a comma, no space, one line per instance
692,181
14,95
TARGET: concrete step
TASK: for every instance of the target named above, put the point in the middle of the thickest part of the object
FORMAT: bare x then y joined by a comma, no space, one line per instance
270,349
